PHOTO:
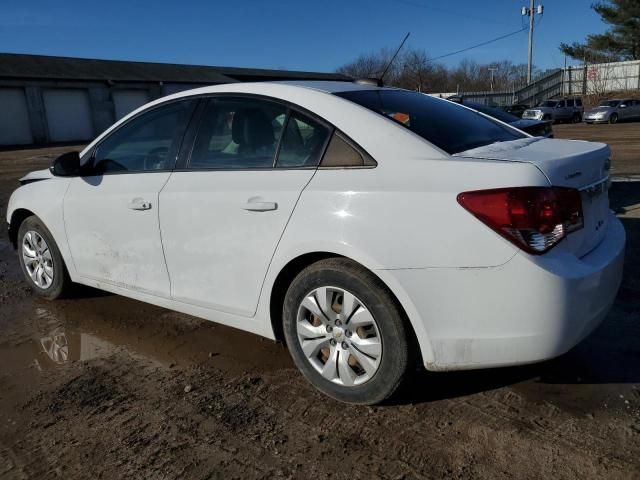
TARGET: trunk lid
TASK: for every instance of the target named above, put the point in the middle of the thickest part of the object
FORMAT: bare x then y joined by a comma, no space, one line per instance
566,163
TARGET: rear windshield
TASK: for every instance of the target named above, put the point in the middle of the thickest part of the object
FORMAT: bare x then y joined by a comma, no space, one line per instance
445,124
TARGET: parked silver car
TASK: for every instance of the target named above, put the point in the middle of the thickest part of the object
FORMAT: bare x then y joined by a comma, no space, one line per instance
610,111
565,109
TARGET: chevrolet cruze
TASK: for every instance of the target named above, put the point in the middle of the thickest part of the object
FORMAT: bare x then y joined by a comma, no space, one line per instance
369,228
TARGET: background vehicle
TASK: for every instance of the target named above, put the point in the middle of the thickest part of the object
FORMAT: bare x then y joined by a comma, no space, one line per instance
341,219
562,110
610,111
537,128
516,109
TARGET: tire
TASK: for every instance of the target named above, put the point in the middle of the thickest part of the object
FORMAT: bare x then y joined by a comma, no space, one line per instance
36,242
613,118
356,377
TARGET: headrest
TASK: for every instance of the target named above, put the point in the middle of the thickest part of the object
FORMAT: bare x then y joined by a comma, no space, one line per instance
252,127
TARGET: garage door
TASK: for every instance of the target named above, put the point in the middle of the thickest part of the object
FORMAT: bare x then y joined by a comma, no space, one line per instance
14,117
126,101
68,114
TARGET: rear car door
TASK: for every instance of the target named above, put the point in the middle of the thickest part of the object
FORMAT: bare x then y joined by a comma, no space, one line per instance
111,213
223,212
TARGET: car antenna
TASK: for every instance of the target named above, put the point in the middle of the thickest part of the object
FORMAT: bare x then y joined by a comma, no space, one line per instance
394,57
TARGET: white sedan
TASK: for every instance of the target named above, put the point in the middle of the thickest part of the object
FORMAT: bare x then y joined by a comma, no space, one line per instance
371,229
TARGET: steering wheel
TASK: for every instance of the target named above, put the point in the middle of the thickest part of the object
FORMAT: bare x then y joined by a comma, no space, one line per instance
155,159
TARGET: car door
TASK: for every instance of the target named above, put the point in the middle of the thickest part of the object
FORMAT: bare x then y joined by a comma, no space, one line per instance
560,110
224,212
111,212
626,112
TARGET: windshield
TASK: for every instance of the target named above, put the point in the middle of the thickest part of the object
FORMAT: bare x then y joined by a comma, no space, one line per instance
445,124
493,112
548,103
609,103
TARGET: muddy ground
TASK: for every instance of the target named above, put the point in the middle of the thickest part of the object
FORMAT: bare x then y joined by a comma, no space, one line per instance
105,387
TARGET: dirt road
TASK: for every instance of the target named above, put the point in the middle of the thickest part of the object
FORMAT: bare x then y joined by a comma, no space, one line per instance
106,387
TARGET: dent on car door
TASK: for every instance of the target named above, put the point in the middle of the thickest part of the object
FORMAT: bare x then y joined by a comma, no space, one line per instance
223,214
111,213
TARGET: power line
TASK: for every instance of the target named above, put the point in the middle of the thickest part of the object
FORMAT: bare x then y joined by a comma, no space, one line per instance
479,44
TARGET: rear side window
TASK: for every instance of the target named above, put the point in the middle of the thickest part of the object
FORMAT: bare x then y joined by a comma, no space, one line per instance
342,153
147,142
238,133
578,102
570,102
447,125
560,104
302,143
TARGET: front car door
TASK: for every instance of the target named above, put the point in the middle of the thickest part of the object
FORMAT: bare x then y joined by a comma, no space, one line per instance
625,112
111,213
224,212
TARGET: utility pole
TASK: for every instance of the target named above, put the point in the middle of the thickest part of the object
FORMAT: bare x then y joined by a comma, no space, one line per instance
530,11
492,70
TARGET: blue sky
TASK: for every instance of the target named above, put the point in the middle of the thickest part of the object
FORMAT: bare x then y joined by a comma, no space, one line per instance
291,34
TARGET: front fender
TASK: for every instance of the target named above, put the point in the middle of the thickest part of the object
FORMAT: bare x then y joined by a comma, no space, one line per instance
45,200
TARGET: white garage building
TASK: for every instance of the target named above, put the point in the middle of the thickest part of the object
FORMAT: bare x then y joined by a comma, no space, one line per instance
47,99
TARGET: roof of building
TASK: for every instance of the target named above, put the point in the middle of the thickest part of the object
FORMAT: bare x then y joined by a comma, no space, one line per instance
13,65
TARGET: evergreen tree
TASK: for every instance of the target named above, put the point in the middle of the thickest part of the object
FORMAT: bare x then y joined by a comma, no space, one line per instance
620,42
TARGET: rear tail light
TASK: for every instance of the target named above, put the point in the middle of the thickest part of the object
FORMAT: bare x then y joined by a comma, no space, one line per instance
533,218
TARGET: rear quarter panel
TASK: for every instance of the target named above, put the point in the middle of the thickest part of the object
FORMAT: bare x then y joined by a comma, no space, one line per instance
403,214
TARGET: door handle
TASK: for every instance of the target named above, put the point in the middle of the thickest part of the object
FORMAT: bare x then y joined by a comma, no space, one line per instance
259,206
139,204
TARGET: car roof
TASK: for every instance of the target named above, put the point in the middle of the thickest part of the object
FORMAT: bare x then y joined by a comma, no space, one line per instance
330,86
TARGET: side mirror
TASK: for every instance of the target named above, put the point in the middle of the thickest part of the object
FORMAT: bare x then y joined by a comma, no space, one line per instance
624,105
66,165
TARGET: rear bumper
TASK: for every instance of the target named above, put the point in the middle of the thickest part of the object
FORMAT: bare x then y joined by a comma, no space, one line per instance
528,310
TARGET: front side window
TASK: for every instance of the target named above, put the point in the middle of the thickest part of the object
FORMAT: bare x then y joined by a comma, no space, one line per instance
560,104
148,142
446,125
238,133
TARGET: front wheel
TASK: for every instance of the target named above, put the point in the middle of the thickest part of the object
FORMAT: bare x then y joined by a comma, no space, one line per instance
346,332
613,118
41,261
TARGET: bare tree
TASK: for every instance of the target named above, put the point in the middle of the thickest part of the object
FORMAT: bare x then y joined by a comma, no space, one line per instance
413,70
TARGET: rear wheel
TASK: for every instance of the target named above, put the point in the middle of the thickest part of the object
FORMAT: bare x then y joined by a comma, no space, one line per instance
346,332
577,118
40,259
613,118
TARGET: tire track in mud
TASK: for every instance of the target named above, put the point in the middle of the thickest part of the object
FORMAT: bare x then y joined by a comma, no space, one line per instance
108,412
